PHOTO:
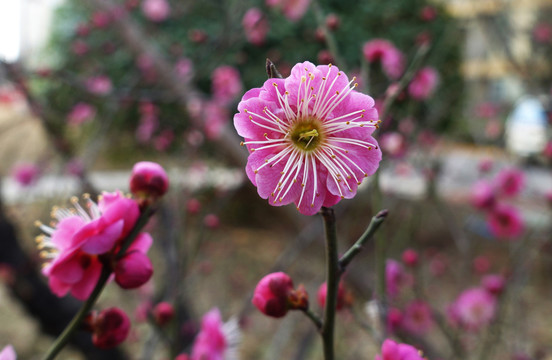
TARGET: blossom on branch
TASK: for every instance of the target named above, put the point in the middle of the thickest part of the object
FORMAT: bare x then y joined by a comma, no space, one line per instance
391,350
309,137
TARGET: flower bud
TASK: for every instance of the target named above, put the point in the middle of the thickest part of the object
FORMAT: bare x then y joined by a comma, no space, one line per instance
148,179
344,297
133,270
163,313
493,283
274,295
111,327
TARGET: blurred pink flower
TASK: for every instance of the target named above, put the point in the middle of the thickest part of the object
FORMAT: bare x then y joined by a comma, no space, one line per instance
110,328
395,278
294,9
505,222
211,221
163,313
309,137
394,319
162,141
424,83
216,340
184,67
510,182
226,83
493,283
548,150
391,350
99,85
391,58
486,110
272,293
481,264
79,47
417,318
73,244
333,21
542,33
473,309
101,19
156,10
255,26
483,195
216,119
8,353
428,13
393,143
25,174
410,257
81,113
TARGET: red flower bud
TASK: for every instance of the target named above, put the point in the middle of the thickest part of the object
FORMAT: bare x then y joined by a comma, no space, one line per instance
163,313
274,295
410,257
133,270
148,179
110,328
344,297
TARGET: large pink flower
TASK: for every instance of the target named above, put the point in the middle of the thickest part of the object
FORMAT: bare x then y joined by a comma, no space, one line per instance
216,340
73,244
391,350
309,137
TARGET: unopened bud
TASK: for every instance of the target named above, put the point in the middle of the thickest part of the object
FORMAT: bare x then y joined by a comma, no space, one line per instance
148,180
111,327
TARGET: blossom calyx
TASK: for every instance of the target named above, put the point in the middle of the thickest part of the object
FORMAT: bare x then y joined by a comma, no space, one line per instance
148,180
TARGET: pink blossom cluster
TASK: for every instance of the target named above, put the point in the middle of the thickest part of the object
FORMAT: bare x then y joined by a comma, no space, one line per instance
392,60
390,350
504,220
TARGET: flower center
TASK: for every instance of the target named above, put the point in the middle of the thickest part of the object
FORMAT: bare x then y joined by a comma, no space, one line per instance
306,135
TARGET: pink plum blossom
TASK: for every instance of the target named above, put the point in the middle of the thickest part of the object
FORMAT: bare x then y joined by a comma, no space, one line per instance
393,143
226,83
424,83
473,309
156,10
391,350
255,26
8,353
510,182
99,85
110,328
274,295
184,67
395,277
493,283
81,113
216,118
73,244
134,269
505,221
163,313
216,340
309,137
394,319
25,174
410,257
417,317
292,9
483,195
542,33
148,179
392,60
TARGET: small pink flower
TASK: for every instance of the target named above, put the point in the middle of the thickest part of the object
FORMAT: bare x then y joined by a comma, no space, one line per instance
110,328
216,340
156,10
184,67
163,313
542,33
148,179
391,58
81,113
391,350
393,143
428,13
395,278
164,140
211,221
344,297
8,353
79,47
274,295
418,318
410,257
99,85
193,206
309,137
505,222
493,283
473,309
101,19
226,83
483,195
255,26
294,9
74,243
394,319
25,174
333,21
134,269
424,83
510,182
216,119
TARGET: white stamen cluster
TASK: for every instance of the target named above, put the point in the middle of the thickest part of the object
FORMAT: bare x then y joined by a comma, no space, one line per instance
318,145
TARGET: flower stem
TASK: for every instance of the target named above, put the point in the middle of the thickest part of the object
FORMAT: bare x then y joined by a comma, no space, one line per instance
377,220
65,336
332,281
314,318
75,323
